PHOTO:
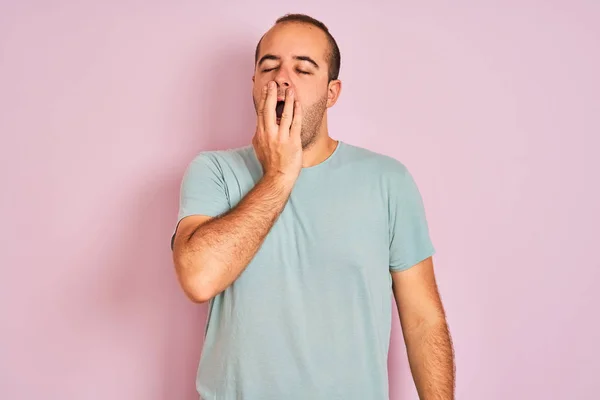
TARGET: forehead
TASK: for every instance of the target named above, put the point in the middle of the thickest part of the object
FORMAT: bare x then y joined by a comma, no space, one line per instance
295,39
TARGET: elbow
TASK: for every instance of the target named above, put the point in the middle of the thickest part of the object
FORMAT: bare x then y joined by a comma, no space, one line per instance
198,296
194,282
197,288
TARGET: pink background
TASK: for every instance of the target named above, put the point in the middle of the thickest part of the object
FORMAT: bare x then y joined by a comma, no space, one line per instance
493,105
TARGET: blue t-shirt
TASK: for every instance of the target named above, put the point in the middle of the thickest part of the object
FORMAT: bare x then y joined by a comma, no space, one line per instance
310,316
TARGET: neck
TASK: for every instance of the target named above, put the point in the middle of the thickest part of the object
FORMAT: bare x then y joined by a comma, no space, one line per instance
321,148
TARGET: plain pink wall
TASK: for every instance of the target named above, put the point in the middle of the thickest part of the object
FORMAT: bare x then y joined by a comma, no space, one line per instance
493,105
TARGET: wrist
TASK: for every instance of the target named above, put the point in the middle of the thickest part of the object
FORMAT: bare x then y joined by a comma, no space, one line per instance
282,182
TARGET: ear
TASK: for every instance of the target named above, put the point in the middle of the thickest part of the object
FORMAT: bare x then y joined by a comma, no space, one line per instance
333,92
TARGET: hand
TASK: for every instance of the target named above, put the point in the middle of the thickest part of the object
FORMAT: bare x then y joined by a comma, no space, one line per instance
279,147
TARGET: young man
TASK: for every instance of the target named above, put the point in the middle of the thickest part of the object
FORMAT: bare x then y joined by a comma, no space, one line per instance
298,242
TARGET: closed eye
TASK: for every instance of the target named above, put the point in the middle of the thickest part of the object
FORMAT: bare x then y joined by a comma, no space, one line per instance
299,71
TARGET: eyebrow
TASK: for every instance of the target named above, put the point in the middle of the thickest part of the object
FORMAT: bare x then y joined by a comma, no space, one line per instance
277,58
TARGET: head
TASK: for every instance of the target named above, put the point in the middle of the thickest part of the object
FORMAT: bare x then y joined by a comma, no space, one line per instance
299,52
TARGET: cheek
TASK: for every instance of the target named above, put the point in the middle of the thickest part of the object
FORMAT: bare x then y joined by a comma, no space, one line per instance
306,99
261,79
311,92
257,91
258,84
303,93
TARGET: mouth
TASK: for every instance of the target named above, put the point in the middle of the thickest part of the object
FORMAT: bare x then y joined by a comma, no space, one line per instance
279,109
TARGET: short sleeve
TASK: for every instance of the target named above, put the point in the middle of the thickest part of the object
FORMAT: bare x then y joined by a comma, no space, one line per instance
203,190
410,241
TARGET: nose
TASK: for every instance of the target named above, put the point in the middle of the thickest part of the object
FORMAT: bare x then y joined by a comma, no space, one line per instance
283,79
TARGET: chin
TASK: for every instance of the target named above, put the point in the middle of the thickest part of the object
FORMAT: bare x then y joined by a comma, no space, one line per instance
308,140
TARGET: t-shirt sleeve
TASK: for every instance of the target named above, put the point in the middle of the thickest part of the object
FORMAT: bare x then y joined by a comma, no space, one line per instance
203,190
410,241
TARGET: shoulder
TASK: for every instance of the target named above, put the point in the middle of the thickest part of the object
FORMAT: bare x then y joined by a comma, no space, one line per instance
230,159
391,175
373,162
227,156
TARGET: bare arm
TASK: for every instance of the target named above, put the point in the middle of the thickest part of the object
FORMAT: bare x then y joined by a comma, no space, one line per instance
210,253
426,334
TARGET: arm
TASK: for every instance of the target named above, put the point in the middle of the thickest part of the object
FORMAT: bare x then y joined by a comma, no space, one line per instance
425,331
210,253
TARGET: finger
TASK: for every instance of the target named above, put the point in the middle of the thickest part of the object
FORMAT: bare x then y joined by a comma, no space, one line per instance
296,127
261,109
269,119
288,113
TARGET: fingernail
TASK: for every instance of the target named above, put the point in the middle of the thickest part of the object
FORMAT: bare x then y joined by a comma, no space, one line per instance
271,85
290,92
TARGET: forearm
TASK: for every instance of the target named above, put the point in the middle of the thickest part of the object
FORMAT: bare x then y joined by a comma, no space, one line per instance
217,252
431,358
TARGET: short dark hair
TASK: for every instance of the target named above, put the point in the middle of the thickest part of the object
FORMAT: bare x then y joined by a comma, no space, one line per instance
334,57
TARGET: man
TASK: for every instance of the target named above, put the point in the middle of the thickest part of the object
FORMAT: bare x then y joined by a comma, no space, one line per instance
298,242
